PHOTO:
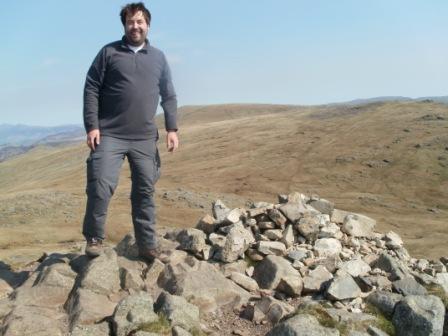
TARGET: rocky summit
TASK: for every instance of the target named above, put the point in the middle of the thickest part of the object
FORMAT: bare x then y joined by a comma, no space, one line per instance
298,267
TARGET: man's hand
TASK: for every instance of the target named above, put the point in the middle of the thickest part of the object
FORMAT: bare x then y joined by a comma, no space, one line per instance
172,141
93,138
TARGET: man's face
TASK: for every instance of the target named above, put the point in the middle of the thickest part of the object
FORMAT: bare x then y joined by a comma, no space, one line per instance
136,28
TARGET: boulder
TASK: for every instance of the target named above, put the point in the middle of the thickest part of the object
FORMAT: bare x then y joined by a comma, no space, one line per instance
133,312
316,280
288,236
338,216
271,248
408,286
192,240
302,325
325,247
396,269
101,329
220,210
237,242
393,240
384,301
309,227
273,309
206,224
343,287
178,311
275,234
278,218
202,284
419,315
323,206
102,274
355,267
358,225
244,281
270,272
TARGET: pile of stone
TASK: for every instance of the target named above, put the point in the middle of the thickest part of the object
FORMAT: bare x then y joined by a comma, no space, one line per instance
284,266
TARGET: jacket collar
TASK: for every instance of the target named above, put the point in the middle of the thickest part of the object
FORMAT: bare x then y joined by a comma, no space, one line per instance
124,44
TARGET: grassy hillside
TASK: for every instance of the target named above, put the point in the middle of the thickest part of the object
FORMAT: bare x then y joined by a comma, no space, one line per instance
386,160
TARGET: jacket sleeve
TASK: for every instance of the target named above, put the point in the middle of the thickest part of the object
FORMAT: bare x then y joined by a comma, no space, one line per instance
92,87
169,99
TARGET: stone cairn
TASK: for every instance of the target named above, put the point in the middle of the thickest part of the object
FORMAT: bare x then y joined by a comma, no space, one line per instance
300,267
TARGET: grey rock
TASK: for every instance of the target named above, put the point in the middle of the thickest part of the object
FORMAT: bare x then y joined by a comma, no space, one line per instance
178,311
87,307
316,280
274,309
358,225
302,325
192,240
356,267
133,312
325,247
294,211
237,266
152,274
206,224
275,234
217,239
384,301
419,316
278,218
252,313
101,329
288,236
202,284
299,254
271,248
102,274
408,286
308,227
396,269
330,230
338,216
244,281
393,240
269,272
342,315
127,247
442,280
343,287
237,242
235,216
220,210
36,321
323,206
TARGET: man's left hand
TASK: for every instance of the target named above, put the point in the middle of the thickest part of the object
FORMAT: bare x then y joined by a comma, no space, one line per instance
172,141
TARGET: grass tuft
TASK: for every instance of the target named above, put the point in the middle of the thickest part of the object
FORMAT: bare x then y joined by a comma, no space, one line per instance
161,326
381,320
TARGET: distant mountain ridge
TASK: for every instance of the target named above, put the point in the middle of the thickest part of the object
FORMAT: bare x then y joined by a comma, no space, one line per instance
25,135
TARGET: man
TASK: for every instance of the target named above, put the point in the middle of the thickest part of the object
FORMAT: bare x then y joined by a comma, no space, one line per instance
121,95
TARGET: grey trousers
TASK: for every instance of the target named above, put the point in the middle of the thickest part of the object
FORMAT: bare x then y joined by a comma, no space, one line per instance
103,170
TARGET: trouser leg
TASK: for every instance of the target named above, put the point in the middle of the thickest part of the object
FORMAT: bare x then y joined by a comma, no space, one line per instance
103,170
145,170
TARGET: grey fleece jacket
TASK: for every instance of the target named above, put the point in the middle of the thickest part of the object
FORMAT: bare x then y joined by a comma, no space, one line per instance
122,92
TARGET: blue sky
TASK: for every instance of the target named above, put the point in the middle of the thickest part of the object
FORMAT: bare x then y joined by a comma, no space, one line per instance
240,51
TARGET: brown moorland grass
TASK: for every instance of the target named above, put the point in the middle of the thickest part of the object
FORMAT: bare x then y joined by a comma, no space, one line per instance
386,160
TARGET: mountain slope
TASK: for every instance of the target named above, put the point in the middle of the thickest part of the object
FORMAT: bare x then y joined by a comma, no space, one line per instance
388,160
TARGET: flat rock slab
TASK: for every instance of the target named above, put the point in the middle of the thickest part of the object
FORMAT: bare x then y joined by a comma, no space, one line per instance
342,288
384,301
408,286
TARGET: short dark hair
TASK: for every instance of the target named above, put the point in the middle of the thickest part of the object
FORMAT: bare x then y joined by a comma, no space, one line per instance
133,8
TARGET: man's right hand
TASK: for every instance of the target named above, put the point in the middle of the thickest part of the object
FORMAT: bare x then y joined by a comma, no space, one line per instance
93,138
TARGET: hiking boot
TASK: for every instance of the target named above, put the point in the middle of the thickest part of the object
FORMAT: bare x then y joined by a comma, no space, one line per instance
94,247
149,255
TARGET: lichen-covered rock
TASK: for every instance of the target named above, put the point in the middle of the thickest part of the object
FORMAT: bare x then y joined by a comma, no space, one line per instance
316,280
133,312
177,310
302,325
419,315
238,240
192,240
384,301
325,247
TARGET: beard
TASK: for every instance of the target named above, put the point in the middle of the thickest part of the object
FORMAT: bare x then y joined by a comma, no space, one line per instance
136,37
